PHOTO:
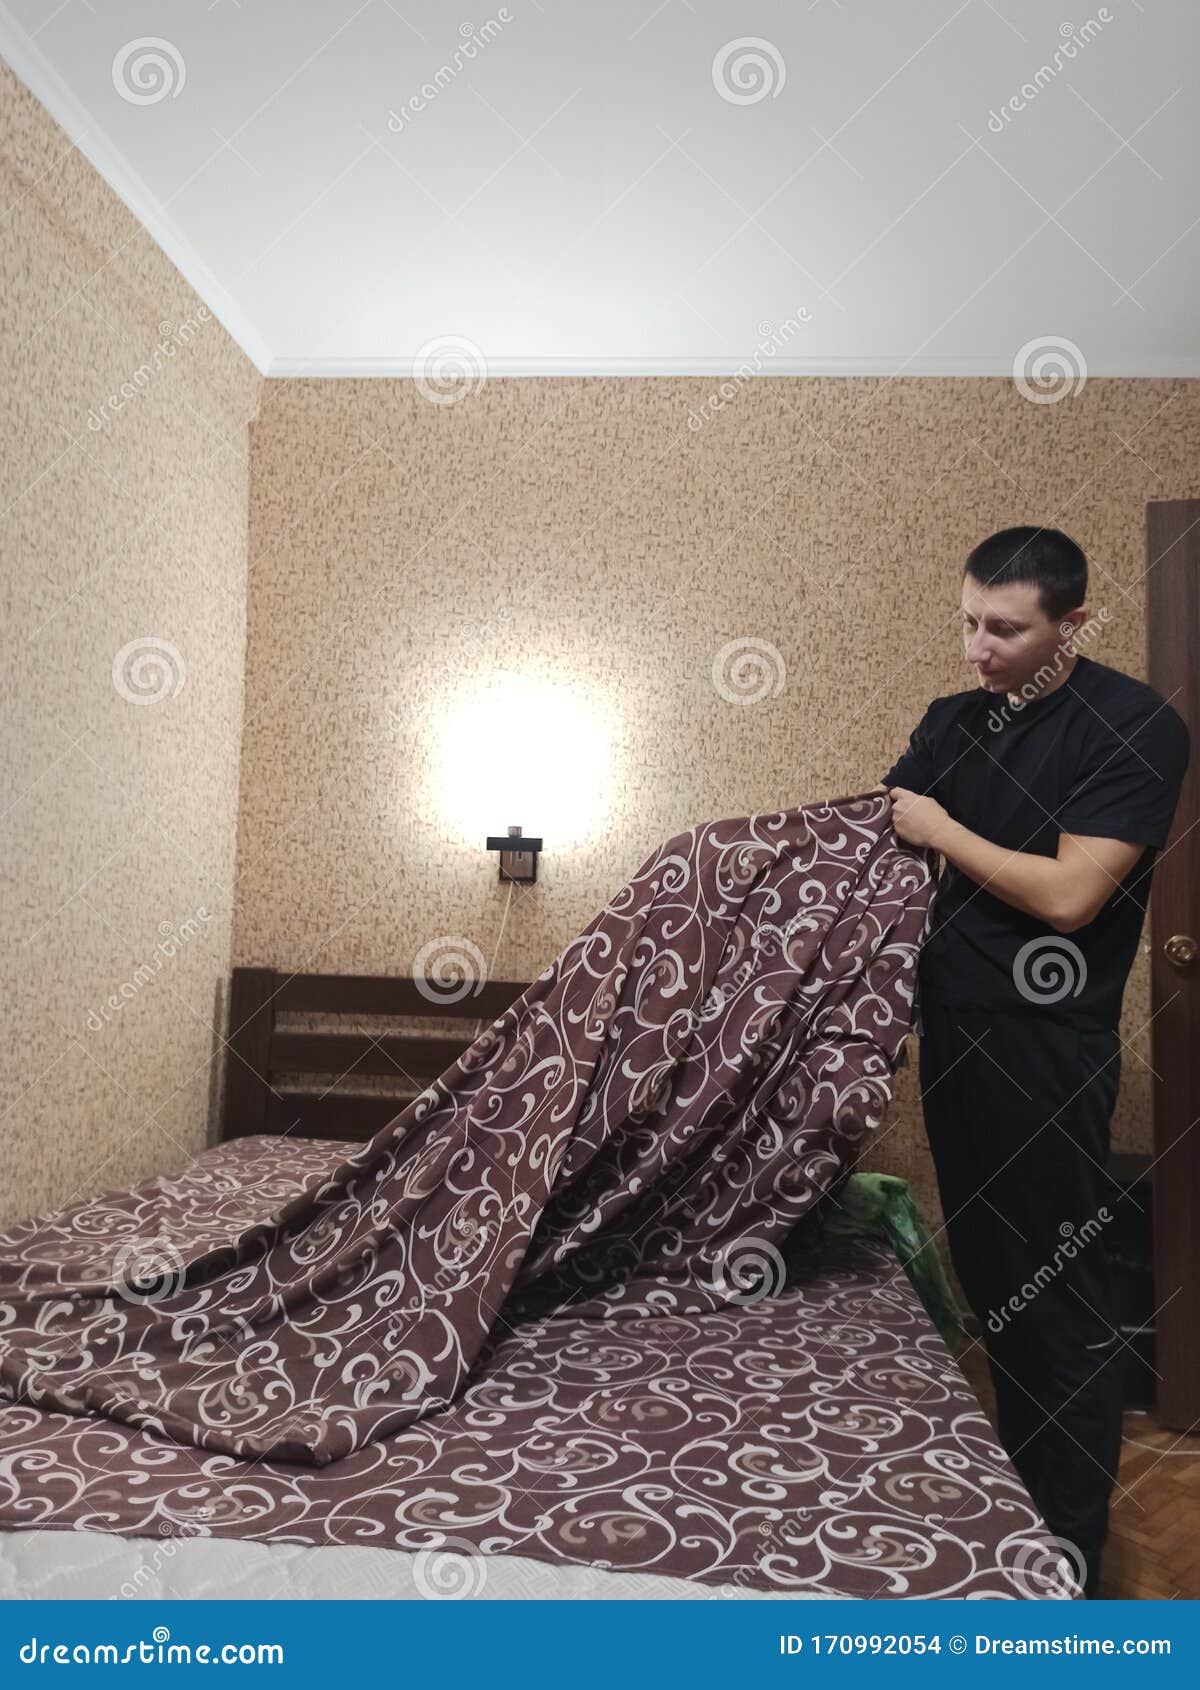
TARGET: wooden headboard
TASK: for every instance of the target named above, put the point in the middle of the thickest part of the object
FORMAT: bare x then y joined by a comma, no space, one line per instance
261,1054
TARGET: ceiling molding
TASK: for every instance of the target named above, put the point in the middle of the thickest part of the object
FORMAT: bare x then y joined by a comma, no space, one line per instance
45,84
399,369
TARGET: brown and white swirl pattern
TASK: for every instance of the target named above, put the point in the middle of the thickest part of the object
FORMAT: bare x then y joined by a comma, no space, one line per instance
605,1145
511,1319
817,1442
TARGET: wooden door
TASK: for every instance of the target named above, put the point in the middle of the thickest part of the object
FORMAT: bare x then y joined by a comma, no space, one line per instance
1173,668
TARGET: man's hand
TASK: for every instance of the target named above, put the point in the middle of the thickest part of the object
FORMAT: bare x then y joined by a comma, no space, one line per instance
918,820
1067,891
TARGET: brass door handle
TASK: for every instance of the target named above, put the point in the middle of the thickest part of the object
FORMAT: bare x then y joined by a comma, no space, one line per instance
1180,950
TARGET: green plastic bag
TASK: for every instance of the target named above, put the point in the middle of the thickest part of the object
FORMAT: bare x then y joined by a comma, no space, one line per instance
881,1206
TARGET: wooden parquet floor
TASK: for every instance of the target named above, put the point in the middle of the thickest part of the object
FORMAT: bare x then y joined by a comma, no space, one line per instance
1153,1547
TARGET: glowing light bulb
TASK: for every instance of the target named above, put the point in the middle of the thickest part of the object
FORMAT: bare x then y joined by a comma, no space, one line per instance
509,747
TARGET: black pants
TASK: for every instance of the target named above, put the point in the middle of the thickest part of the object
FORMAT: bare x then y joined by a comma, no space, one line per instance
1017,1107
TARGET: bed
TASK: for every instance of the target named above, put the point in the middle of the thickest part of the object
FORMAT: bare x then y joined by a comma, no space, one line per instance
818,1443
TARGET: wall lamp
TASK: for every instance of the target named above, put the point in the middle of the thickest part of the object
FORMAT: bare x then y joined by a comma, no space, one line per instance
518,856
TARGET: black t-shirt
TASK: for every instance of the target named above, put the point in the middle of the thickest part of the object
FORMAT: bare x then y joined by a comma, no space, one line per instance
1103,754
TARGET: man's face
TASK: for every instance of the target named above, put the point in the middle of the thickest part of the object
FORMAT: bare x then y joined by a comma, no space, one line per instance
1008,636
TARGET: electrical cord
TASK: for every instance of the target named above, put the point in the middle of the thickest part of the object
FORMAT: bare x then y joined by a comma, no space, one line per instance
495,951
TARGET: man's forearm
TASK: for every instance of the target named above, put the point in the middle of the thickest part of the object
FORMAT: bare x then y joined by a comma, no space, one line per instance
1023,879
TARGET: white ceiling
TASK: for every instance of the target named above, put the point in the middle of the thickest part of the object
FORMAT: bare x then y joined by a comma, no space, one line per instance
591,192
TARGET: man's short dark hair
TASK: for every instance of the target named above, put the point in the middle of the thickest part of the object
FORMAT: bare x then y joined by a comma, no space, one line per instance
1042,557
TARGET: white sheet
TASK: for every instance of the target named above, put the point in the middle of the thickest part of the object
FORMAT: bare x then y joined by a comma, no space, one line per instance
46,1565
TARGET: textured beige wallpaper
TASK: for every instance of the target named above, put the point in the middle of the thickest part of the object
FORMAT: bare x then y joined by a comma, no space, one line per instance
602,609
618,563
124,515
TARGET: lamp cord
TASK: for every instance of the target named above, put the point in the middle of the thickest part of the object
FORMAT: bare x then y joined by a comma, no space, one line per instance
495,950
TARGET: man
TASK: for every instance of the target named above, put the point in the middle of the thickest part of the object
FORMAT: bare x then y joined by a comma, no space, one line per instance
1047,790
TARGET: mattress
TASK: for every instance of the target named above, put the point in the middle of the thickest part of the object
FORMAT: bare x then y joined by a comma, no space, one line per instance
51,1565
817,1443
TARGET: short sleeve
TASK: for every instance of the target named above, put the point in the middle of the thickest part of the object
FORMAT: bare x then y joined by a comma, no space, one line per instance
1129,784
916,767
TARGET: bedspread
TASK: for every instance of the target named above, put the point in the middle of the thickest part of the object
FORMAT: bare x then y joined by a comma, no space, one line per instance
819,1442
636,1135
